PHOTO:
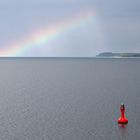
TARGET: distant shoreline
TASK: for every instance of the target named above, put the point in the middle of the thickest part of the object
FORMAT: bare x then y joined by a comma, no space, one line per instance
118,55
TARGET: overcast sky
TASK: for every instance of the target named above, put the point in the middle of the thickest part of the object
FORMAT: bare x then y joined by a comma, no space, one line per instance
116,26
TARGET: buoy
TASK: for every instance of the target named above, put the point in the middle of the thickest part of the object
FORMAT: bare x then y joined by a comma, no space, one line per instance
122,119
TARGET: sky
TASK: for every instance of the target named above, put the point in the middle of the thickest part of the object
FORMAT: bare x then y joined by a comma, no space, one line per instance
68,28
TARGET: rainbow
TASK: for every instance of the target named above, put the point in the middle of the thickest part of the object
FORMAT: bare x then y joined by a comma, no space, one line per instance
41,38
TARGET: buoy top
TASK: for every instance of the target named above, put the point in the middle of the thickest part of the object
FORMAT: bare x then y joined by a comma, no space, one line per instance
122,104
122,108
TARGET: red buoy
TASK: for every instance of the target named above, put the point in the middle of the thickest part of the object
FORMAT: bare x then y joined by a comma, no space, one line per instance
122,119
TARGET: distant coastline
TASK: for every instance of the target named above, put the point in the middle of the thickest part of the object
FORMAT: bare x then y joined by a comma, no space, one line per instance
117,55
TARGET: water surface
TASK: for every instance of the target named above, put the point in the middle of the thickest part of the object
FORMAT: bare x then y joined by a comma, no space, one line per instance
69,99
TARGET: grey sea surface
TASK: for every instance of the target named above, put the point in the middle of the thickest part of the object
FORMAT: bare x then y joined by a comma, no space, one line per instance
68,98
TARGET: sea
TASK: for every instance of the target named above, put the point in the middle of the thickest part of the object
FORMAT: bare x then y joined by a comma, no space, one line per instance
69,98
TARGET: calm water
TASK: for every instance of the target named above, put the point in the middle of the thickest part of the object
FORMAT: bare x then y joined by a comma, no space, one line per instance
69,99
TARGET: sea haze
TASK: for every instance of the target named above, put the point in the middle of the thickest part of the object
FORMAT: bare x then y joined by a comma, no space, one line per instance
68,99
